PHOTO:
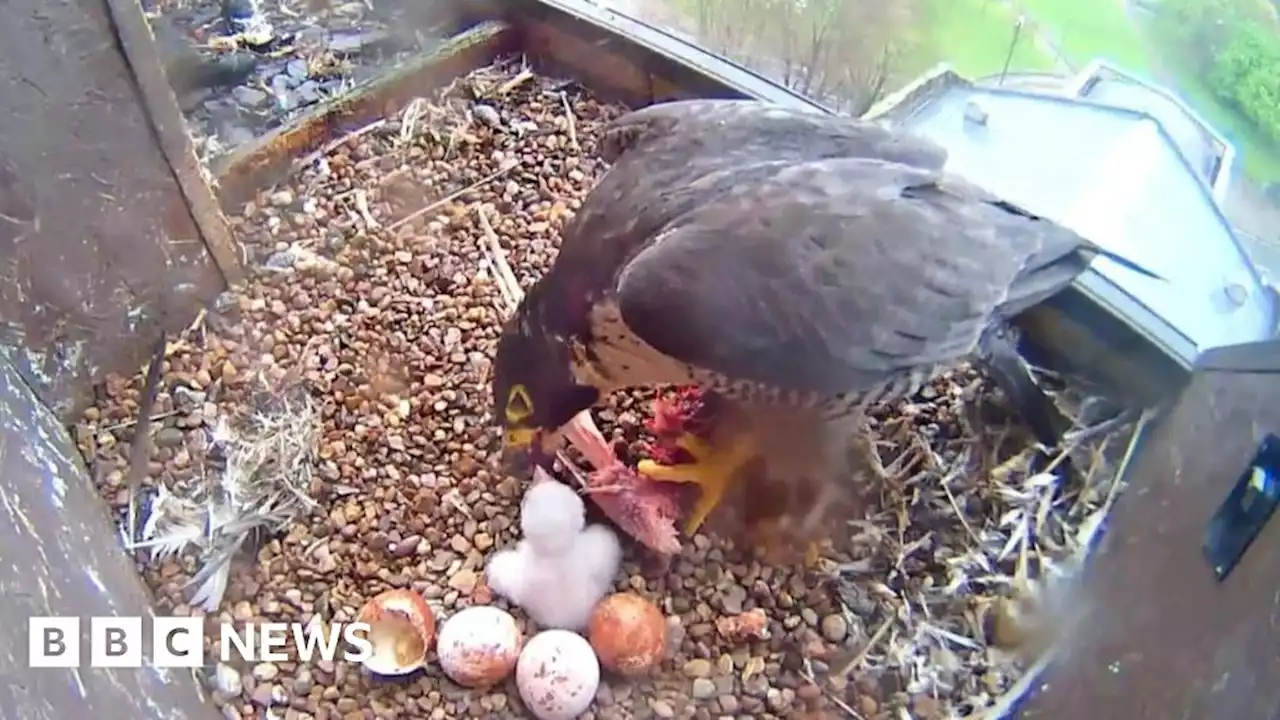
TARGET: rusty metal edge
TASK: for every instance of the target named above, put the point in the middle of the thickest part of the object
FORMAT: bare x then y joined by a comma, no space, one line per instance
274,156
138,46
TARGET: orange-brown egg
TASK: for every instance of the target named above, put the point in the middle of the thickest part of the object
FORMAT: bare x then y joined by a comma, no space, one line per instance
628,633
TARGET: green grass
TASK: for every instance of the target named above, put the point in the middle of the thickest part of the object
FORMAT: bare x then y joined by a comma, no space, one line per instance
1256,151
974,36
1086,29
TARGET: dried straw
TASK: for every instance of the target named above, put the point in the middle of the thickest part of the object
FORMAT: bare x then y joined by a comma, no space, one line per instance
257,479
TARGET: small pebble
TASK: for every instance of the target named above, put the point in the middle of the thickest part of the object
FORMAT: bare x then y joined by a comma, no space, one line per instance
835,628
697,668
252,97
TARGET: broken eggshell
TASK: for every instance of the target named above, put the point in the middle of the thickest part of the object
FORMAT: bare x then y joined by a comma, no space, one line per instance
401,628
478,646
558,675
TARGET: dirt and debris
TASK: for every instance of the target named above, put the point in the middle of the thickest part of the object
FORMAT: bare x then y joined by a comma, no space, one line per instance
243,67
357,362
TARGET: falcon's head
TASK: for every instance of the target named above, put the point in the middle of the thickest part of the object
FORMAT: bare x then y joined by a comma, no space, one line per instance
534,392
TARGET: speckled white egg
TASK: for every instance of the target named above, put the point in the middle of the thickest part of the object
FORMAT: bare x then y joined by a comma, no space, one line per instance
479,646
557,675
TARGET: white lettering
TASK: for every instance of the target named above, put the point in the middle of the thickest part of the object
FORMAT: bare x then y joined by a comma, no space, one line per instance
242,640
307,637
179,642
357,635
273,635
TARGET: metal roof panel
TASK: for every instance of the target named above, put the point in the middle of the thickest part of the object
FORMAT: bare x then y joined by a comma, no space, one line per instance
1115,176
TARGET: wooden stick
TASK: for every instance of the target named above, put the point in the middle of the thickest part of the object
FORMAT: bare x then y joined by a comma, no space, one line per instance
161,106
452,196
573,125
339,142
139,446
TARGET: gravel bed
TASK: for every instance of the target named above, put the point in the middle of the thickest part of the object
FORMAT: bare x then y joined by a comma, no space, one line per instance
324,435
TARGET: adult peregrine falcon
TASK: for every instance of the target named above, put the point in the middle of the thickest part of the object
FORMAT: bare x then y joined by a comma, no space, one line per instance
801,266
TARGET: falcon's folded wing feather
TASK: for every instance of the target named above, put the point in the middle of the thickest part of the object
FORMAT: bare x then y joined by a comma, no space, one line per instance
835,275
673,157
731,130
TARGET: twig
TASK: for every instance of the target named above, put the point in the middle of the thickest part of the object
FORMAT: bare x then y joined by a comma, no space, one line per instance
508,285
807,673
1062,456
197,322
134,421
1134,439
573,125
951,498
362,207
453,196
523,77
138,447
1085,434
409,119
339,142
862,654
454,500
1004,705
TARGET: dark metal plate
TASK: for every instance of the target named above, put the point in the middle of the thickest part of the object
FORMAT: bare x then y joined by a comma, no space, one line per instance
1246,510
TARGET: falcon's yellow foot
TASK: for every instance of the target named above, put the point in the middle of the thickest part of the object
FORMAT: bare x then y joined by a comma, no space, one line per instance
712,469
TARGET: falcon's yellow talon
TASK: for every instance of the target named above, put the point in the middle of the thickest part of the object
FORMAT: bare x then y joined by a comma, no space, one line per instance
666,473
813,555
696,446
713,468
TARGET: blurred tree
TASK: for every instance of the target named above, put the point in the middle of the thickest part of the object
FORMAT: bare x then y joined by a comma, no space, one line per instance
1201,30
841,53
1247,75
1234,47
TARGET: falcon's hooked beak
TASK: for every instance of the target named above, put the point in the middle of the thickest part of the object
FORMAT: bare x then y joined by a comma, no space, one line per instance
527,448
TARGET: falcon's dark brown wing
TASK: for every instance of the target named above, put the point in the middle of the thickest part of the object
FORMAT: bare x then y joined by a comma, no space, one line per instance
729,131
834,276
672,158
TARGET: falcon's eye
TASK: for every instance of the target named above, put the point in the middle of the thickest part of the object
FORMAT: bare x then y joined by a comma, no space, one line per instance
519,405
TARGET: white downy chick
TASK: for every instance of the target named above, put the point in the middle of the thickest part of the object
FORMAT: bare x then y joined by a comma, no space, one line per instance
561,568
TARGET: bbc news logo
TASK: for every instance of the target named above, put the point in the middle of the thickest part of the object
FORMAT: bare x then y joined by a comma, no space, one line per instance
178,642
